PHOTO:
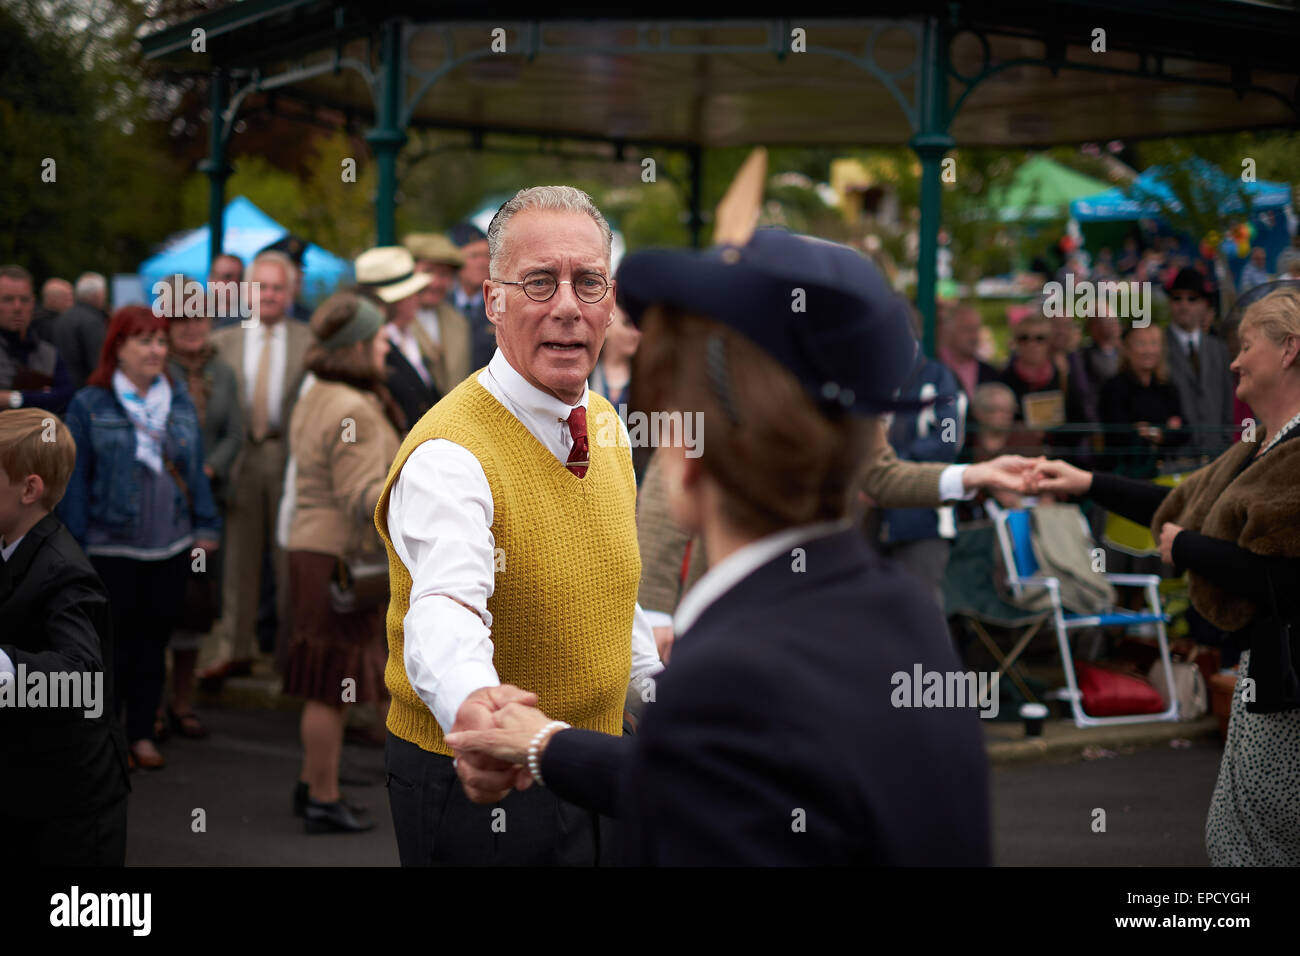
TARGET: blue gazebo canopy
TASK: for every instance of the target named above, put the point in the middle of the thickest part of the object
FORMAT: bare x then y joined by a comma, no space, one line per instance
1149,193
248,231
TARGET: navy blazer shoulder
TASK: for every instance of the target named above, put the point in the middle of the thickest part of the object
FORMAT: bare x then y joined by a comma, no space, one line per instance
773,739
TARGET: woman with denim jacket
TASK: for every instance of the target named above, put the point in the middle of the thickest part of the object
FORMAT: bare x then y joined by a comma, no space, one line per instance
138,502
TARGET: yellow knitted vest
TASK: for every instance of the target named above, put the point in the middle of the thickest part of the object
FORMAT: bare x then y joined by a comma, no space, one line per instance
567,567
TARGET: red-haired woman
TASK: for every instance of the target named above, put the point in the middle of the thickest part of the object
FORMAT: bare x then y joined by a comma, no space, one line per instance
138,501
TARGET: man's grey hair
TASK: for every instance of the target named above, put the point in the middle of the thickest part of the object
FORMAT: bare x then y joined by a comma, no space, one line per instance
276,257
988,395
90,287
558,198
1288,263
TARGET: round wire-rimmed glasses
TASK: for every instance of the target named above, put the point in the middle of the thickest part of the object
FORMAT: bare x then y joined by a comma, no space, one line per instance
589,287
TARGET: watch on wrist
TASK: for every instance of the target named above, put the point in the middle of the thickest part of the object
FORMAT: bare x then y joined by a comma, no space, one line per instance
15,399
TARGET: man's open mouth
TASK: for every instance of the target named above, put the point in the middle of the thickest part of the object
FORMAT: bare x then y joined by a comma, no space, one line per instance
565,346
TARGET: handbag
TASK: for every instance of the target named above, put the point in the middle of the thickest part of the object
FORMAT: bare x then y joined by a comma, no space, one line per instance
361,582
1112,693
1274,656
1189,687
201,604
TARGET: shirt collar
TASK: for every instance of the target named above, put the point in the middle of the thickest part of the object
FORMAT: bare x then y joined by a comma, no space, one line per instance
526,396
7,550
1186,338
743,562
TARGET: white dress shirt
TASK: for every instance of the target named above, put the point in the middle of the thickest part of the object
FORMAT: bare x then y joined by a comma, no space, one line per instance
404,341
428,319
6,665
1186,339
440,513
254,336
464,301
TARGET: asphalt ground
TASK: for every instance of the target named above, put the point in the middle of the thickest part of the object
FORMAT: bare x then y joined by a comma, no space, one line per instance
1154,798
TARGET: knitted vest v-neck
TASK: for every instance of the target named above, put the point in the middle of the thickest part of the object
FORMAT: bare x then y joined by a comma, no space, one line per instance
567,566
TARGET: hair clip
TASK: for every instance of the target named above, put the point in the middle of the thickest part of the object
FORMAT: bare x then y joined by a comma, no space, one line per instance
718,377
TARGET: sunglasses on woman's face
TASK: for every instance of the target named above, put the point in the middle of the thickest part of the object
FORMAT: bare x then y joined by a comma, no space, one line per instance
1031,338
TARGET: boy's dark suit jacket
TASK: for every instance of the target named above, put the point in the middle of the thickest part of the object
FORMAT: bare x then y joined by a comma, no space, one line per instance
54,617
778,700
407,388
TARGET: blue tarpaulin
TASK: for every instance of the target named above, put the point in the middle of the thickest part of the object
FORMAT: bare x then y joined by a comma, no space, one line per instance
1142,200
248,231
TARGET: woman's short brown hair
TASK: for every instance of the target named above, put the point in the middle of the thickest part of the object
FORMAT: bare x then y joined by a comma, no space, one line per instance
348,364
780,462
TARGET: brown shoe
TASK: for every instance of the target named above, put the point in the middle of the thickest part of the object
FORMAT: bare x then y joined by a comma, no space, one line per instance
210,678
145,755
187,725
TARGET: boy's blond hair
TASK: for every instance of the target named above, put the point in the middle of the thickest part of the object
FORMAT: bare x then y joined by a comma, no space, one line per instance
36,442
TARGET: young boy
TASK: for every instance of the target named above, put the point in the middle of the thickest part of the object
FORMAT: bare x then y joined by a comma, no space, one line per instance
62,751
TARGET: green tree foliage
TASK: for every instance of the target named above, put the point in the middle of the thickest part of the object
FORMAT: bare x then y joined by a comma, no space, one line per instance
70,91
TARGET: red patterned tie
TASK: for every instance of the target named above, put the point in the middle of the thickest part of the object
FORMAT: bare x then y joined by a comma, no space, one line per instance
579,456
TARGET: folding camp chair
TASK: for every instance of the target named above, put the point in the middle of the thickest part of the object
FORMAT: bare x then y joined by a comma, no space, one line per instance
1014,530
971,597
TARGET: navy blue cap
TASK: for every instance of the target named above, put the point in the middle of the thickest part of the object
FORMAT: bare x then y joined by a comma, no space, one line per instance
295,247
821,309
463,233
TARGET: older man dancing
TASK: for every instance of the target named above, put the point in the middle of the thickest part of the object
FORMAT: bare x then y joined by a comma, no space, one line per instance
512,551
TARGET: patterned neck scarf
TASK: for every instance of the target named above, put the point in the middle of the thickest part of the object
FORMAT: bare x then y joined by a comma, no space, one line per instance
1281,433
148,413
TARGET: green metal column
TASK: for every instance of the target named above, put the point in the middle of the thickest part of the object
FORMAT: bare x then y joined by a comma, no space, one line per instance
387,138
215,166
930,143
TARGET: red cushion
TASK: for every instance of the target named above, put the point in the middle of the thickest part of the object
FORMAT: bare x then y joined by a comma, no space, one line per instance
1108,693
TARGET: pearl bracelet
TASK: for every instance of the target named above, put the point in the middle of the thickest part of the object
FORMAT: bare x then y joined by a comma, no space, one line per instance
534,748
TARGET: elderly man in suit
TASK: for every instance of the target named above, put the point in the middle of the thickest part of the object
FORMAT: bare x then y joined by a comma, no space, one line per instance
467,294
1198,366
79,332
511,542
267,357
31,370
440,328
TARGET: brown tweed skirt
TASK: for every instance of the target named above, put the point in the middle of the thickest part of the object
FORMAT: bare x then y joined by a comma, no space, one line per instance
328,648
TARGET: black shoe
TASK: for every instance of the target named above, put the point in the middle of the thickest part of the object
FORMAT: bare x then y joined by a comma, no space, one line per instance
302,794
336,817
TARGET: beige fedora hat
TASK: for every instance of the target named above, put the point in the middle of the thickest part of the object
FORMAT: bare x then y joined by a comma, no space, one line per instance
389,271
433,247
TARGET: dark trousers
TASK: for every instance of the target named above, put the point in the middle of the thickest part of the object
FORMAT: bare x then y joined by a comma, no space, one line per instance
91,839
437,825
144,598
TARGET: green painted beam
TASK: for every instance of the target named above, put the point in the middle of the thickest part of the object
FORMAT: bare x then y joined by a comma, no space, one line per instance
930,143
388,138
215,166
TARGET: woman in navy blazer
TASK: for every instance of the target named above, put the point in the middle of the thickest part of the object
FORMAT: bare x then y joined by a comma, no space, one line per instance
781,734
